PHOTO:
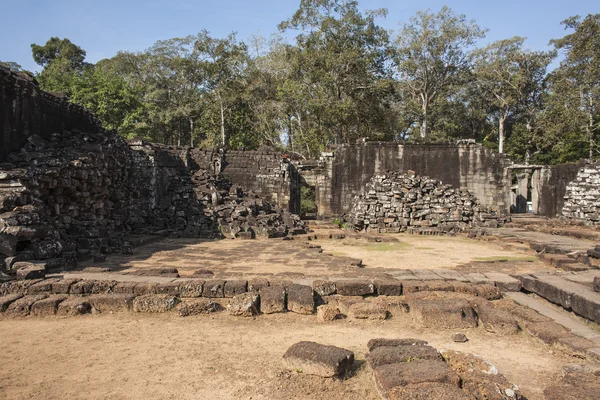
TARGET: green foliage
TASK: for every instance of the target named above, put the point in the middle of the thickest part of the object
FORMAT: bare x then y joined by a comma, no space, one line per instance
307,200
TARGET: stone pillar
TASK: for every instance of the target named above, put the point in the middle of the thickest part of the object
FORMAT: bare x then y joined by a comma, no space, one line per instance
522,191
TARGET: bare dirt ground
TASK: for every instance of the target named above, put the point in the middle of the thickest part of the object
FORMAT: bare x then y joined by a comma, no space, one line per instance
132,356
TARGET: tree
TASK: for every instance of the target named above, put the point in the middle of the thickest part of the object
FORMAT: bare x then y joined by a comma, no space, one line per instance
576,84
433,58
515,80
55,49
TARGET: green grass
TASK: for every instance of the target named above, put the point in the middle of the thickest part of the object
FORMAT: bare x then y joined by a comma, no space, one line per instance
506,259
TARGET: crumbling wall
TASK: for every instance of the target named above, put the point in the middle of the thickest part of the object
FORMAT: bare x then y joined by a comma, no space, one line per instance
26,110
582,197
345,172
554,180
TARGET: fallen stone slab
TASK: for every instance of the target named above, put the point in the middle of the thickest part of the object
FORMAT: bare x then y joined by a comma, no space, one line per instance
384,355
324,288
388,287
488,292
354,288
73,305
81,287
144,288
415,372
272,299
428,391
44,286
28,270
367,311
62,286
235,287
111,302
375,343
213,289
103,286
459,338
125,288
413,286
169,288
548,332
8,299
300,299
394,305
504,282
47,306
22,306
244,304
328,312
316,359
443,313
154,303
480,378
256,284
495,320
197,307
191,289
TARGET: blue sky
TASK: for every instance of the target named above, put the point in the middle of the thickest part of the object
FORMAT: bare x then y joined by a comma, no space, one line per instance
103,27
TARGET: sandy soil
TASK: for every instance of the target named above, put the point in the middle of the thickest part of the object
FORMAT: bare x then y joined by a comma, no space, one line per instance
132,356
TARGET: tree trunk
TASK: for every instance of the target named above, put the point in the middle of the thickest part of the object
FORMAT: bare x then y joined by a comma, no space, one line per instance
590,129
191,132
501,122
179,134
424,123
290,133
222,122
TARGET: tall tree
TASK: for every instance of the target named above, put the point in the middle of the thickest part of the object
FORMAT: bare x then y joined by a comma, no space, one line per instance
433,58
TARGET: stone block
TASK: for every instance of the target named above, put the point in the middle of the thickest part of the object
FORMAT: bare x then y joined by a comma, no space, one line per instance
375,343
327,313
316,359
103,286
196,306
154,303
213,289
324,288
44,286
388,287
300,299
82,287
443,313
504,282
22,306
170,288
459,338
29,270
191,289
73,305
254,285
62,286
596,284
384,355
495,320
428,391
47,306
111,302
244,304
125,288
235,287
144,288
8,299
415,372
367,311
272,299
548,332
354,288
413,286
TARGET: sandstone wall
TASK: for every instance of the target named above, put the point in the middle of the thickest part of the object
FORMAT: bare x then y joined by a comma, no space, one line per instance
26,110
582,197
344,173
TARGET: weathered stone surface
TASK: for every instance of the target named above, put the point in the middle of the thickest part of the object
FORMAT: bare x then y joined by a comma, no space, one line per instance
154,303
327,312
8,299
62,286
82,287
27,270
213,289
191,288
488,292
324,288
443,313
103,287
394,305
144,288
504,282
111,302
367,311
272,299
495,320
125,287
73,305
548,332
256,284
388,287
47,306
410,373
480,378
170,288
300,299
459,338
375,343
244,304
22,306
233,288
316,359
44,286
596,284
197,306
384,355
354,288
428,391
413,286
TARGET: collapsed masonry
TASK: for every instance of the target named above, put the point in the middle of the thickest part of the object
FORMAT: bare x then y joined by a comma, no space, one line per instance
582,198
81,194
395,202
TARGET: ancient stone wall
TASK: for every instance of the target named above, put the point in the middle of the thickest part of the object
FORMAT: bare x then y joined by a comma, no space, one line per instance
26,110
553,187
344,173
582,197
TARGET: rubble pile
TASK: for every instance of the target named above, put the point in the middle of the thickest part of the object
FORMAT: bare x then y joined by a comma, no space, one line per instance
395,202
582,198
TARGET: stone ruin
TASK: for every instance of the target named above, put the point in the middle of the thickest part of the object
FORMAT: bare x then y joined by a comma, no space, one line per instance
582,198
397,202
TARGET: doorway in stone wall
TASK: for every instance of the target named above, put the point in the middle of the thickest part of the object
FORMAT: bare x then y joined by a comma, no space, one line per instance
525,189
308,204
